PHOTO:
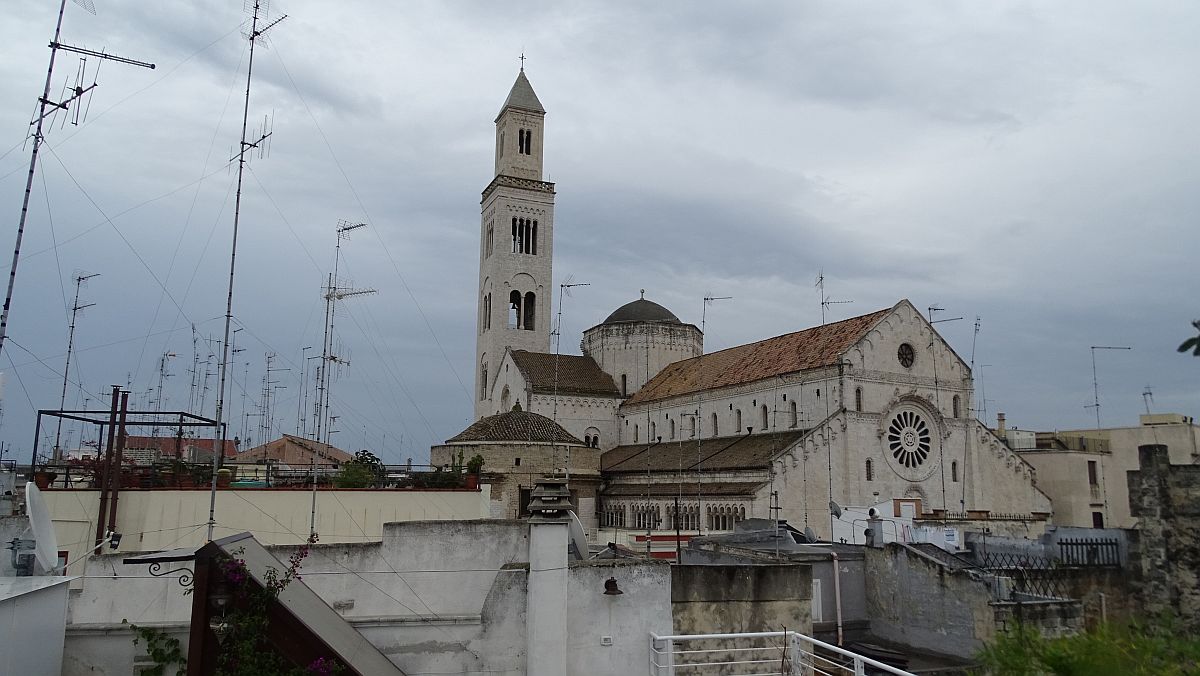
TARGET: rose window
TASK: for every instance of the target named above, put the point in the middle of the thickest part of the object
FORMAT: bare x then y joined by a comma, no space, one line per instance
908,438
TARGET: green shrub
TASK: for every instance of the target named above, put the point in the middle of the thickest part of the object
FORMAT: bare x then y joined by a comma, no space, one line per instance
1158,648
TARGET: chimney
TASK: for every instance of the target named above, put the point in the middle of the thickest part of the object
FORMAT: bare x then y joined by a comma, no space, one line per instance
1001,430
546,602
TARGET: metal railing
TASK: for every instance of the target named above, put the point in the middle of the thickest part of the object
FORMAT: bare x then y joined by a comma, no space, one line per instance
1097,552
768,653
1031,575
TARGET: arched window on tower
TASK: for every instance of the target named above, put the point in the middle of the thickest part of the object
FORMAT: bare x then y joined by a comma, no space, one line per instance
528,141
954,470
793,414
483,381
487,322
490,233
521,141
530,311
514,309
514,236
858,399
955,406
766,419
501,144
533,240
624,384
870,470
715,429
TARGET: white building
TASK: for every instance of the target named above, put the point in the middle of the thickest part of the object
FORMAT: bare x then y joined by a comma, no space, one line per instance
869,409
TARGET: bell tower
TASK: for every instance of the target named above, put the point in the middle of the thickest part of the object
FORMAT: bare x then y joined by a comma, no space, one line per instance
515,244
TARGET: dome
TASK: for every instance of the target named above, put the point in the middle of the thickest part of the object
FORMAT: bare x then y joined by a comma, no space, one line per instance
642,310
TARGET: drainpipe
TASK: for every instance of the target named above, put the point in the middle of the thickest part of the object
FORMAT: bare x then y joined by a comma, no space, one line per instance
837,592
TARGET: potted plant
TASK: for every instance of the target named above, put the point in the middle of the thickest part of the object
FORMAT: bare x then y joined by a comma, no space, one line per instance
43,477
474,465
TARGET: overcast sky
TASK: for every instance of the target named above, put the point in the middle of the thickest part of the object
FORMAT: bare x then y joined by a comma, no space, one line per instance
1031,164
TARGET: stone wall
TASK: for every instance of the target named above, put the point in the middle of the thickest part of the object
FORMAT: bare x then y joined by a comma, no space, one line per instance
915,599
1165,498
728,599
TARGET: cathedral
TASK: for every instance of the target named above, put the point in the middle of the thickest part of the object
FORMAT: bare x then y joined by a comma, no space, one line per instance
657,435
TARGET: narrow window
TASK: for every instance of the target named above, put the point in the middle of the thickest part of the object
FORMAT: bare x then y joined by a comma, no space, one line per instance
521,235
954,470
672,429
955,407
490,232
624,382
514,236
692,427
488,319
516,462
533,240
870,470
501,144
858,399
596,441
737,421
793,415
514,309
530,311
587,441
1093,473
529,142
714,424
1097,520
652,431
483,381
765,419
635,434
521,141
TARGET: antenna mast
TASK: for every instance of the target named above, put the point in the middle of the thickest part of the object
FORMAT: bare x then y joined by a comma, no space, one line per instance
333,293
708,300
1095,382
77,94
825,300
62,401
219,432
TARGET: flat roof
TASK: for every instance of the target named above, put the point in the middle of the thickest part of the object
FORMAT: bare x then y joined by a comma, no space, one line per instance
12,587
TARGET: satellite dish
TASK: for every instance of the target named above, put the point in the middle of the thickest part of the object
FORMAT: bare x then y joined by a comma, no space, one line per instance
835,510
578,537
809,535
46,545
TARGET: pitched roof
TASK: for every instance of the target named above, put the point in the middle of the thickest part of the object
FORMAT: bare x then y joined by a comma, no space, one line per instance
516,426
659,489
789,353
166,444
521,96
291,448
743,452
576,374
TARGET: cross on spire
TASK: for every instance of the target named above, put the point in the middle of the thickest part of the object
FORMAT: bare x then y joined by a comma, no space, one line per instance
522,61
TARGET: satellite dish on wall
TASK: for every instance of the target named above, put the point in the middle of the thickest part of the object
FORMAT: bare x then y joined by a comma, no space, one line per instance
578,539
835,510
46,544
809,535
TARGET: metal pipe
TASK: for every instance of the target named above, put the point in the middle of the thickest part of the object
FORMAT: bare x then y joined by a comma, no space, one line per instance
37,432
105,465
837,592
119,457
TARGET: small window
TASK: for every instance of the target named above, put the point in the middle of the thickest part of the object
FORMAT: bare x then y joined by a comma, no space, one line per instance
652,431
491,231
483,381
737,421
514,309
530,311
523,496
514,235
635,434
521,141
672,429
765,419
858,399
587,440
714,425
870,470
533,240
529,142
1097,520
624,388
954,407
1093,473
954,470
596,441
793,415
516,462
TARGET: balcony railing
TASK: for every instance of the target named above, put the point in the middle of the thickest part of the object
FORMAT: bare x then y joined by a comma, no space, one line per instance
769,653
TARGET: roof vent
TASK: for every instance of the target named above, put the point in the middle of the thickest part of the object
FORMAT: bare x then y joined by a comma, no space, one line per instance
550,500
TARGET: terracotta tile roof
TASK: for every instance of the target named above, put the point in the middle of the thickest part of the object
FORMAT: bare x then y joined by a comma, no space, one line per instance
789,353
744,452
293,449
727,488
577,374
516,426
166,445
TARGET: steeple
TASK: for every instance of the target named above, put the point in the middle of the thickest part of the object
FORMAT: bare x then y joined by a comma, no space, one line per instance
516,244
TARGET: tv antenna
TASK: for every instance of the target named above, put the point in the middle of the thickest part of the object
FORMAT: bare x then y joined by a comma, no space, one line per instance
709,299
1148,398
45,104
825,300
254,36
322,420
62,401
563,289
1096,382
